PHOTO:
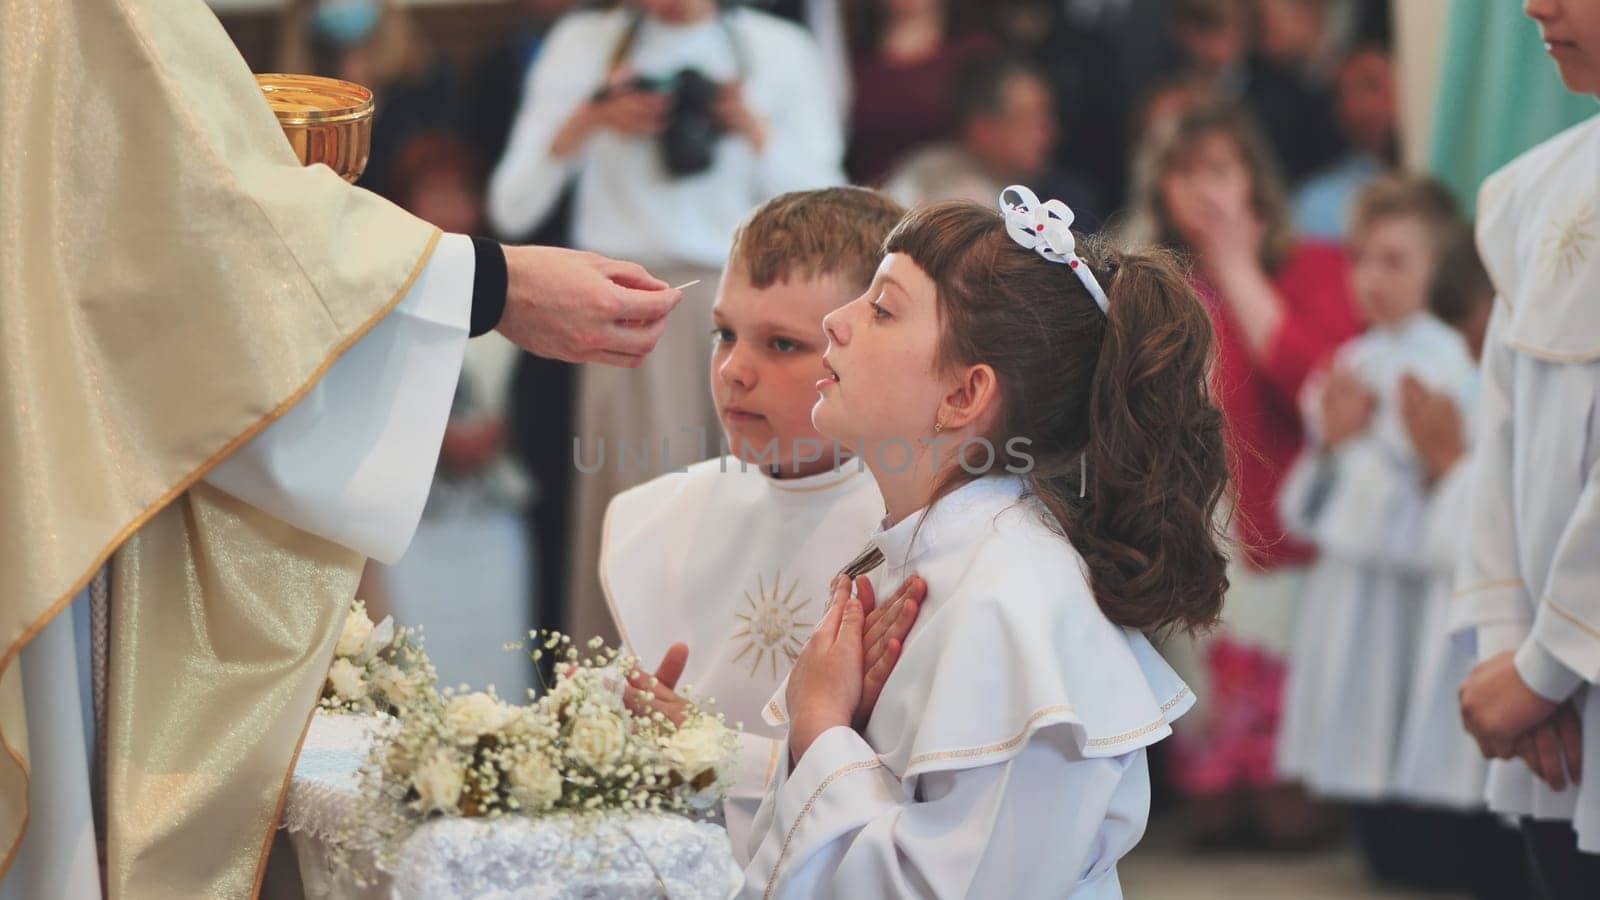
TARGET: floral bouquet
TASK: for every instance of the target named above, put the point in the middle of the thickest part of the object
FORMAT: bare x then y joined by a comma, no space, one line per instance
578,749
377,668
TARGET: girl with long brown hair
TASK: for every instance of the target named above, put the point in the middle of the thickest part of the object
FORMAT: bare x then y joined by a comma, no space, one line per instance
1039,423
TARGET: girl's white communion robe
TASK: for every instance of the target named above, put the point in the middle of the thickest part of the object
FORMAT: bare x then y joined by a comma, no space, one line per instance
736,565
1529,578
1005,757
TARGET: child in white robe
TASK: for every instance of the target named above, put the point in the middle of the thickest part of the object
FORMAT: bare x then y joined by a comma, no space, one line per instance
1358,494
1039,425
1444,829
733,556
1529,579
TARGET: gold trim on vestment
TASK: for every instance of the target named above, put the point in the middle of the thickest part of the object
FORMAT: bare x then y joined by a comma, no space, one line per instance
1043,712
1572,617
182,485
294,758
777,865
772,764
1176,699
27,805
1487,586
1553,355
283,800
1007,744
1125,736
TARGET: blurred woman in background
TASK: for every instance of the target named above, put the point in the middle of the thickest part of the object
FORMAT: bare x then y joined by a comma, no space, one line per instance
1208,183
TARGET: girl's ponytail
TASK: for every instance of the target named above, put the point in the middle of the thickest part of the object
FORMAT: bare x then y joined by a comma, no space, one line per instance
1155,457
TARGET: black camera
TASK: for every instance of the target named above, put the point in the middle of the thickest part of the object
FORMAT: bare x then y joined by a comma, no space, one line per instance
692,130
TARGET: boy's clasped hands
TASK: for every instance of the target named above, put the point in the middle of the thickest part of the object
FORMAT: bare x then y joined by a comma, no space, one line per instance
1510,720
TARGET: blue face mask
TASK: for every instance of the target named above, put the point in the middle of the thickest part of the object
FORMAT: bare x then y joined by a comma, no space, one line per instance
345,21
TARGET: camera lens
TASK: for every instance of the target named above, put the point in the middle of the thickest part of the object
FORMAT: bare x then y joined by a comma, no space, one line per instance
689,139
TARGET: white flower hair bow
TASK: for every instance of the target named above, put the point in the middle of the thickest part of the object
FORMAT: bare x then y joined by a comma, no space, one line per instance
1046,228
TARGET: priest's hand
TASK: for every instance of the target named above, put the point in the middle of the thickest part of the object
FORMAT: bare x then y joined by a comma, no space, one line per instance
1497,708
887,625
657,693
825,685
583,307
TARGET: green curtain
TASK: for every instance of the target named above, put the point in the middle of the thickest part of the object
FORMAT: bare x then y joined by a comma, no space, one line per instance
1499,94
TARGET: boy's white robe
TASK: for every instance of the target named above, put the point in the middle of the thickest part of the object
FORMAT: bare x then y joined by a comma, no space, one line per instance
736,565
1529,579
1005,757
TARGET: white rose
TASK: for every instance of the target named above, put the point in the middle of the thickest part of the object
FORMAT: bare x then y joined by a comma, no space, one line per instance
347,681
535,783
353,636
380,638
396,687
439,781
473,715
597,738
699,746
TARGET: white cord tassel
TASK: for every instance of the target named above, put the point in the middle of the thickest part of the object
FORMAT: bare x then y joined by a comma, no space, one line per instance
1083,475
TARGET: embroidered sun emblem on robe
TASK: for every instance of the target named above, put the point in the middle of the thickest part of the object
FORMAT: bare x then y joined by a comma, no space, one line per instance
770,624
1568,242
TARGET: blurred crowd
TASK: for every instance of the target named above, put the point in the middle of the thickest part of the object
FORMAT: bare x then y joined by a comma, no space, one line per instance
1258,137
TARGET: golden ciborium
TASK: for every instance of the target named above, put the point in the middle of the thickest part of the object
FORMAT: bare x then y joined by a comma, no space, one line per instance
326,120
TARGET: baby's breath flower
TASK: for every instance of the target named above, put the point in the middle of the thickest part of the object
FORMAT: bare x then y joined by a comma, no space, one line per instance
577,749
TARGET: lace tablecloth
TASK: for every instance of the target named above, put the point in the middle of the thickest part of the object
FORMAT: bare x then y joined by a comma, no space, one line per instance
613,856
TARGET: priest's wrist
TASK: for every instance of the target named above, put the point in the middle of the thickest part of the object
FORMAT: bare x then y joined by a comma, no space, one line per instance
489,286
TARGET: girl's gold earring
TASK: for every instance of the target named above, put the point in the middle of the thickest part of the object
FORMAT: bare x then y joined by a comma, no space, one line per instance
938,426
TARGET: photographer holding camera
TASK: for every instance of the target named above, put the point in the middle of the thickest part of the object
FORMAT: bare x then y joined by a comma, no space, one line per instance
674,118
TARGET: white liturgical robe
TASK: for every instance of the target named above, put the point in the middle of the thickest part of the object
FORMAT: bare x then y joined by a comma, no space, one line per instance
735,564
1529,576
1439,764
351,462
1363,505
1006,754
